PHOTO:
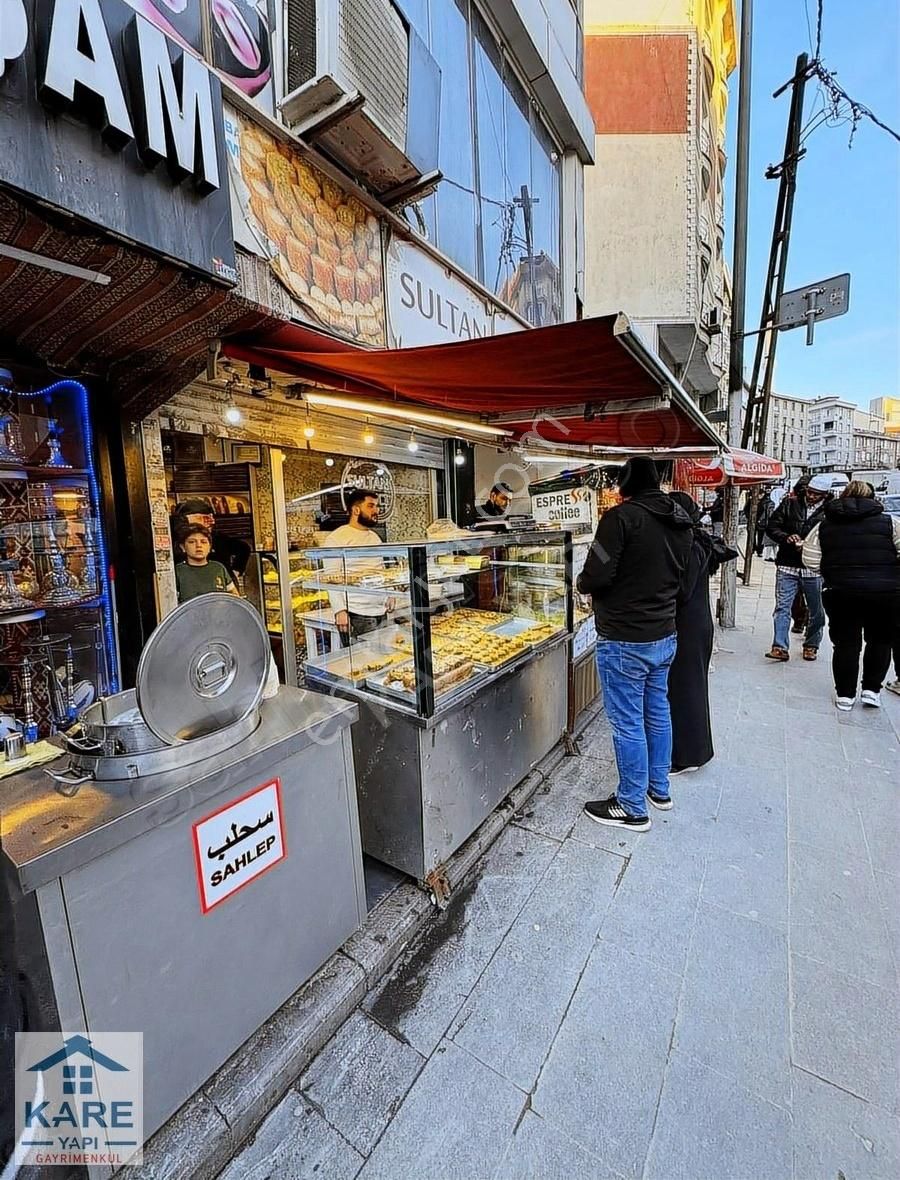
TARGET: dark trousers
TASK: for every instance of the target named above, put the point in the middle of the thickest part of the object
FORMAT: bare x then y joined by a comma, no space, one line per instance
852,617
361,625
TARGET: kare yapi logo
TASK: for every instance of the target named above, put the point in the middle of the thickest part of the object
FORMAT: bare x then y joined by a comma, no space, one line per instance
13,31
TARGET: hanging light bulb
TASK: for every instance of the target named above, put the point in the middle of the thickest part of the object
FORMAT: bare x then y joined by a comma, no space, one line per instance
309,431
368,436
233,415
460,458
412,445
329,462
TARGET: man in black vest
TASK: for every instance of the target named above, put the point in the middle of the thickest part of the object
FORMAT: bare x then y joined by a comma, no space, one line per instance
857,549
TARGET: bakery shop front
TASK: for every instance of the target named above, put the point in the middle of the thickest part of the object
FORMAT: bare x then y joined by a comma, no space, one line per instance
462,680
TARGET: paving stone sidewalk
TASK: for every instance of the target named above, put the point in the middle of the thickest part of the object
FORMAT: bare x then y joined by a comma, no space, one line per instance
715,999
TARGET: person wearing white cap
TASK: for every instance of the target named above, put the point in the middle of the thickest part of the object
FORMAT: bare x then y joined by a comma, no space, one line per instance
794,518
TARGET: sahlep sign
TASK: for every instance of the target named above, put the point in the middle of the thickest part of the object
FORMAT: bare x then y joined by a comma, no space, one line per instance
238,843
103,115
429,304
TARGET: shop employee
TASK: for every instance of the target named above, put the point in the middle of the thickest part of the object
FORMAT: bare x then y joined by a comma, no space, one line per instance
357,613
497,503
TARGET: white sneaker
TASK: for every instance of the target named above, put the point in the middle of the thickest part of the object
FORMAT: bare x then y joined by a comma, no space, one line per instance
894,686
845,704
871,699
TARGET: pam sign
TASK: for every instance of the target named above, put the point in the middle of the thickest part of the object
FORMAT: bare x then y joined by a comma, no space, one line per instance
103,115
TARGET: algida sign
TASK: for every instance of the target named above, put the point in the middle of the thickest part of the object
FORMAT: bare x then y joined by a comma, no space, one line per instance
102,115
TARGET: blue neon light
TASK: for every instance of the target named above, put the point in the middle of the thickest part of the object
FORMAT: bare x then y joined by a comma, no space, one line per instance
105,594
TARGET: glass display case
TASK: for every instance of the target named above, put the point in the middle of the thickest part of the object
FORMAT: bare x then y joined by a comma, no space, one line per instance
57,645
420,627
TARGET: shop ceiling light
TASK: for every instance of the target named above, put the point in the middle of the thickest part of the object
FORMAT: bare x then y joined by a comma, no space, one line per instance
368,436
402,414
309,431
412,445
233,415
329,462
459,459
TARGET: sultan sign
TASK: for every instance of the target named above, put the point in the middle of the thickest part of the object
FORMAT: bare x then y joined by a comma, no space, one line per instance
104,116
429,304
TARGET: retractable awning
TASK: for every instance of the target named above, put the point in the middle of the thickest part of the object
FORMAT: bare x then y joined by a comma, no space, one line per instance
740,467
586,382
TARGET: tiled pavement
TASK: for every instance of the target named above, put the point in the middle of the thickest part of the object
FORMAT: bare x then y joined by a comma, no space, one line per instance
715,999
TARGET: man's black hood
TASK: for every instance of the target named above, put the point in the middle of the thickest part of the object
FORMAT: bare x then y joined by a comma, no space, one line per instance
664,508
848,509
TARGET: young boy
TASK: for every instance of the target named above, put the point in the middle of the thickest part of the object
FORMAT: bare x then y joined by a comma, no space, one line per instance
197,574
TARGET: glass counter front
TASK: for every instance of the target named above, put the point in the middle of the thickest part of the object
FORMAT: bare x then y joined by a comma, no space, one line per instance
417,627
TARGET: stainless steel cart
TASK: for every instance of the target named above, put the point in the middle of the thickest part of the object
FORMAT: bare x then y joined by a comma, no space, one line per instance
186,897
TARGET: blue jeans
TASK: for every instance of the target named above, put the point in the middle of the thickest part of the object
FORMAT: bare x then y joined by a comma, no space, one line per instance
786,583
635,678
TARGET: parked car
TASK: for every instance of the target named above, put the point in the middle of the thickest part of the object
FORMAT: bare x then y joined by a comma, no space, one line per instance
892,505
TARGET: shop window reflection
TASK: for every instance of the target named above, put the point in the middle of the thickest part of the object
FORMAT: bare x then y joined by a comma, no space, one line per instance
478,215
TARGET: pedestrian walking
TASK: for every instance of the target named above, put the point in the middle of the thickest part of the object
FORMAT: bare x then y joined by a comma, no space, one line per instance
894,685
857,549
633,574
717,513
764,510
789,524
692,740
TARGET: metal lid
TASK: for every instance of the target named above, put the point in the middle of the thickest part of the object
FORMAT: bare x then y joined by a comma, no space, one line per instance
203,668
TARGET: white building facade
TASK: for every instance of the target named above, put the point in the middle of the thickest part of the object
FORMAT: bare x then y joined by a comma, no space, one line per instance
786,430
831,423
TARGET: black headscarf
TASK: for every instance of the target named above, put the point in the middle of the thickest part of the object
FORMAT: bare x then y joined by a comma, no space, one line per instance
689,504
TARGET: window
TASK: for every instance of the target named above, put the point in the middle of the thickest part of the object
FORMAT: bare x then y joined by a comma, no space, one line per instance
497,211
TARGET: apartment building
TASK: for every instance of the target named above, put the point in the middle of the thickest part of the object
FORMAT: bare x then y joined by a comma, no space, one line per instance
831,423
656,80
786,430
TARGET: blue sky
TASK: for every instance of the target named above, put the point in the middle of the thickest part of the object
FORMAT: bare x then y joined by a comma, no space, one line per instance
847,211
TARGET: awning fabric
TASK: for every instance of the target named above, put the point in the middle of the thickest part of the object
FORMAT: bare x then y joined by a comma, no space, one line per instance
741,467
552,384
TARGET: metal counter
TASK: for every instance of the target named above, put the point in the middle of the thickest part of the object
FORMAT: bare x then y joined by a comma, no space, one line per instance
111,929
425,786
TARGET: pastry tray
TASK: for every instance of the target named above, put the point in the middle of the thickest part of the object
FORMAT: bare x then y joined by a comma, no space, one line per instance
377,681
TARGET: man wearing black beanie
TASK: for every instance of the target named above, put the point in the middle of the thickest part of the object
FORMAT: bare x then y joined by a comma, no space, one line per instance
633,573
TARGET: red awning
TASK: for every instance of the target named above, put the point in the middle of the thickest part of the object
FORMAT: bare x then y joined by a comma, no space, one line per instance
589,381
741,467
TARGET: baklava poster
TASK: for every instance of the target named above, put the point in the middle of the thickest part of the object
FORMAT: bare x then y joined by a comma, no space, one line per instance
322,243
239,38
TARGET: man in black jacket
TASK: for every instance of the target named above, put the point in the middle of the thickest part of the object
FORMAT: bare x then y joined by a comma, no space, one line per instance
633,574
791,522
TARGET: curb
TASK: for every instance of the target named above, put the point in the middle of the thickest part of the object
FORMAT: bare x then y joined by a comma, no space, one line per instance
206,1133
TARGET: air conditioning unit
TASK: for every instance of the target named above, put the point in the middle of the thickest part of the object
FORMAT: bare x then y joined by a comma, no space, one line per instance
362,84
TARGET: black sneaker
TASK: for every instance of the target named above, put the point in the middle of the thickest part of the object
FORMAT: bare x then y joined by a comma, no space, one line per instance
610,812
660,802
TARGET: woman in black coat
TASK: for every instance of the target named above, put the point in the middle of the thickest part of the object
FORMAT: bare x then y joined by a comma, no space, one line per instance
692,744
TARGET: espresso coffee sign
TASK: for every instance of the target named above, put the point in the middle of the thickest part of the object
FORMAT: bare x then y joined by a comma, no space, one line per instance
135,138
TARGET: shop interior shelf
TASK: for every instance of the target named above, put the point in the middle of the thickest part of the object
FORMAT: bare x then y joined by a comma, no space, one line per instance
54,472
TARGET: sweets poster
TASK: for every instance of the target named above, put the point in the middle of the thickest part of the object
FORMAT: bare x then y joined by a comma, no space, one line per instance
323,245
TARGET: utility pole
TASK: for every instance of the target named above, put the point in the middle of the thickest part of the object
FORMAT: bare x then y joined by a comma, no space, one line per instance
728,597
526,203
760,396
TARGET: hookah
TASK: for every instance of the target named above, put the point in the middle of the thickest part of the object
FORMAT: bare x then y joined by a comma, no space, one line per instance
29,729
9,456
59,586
56,458
11,597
